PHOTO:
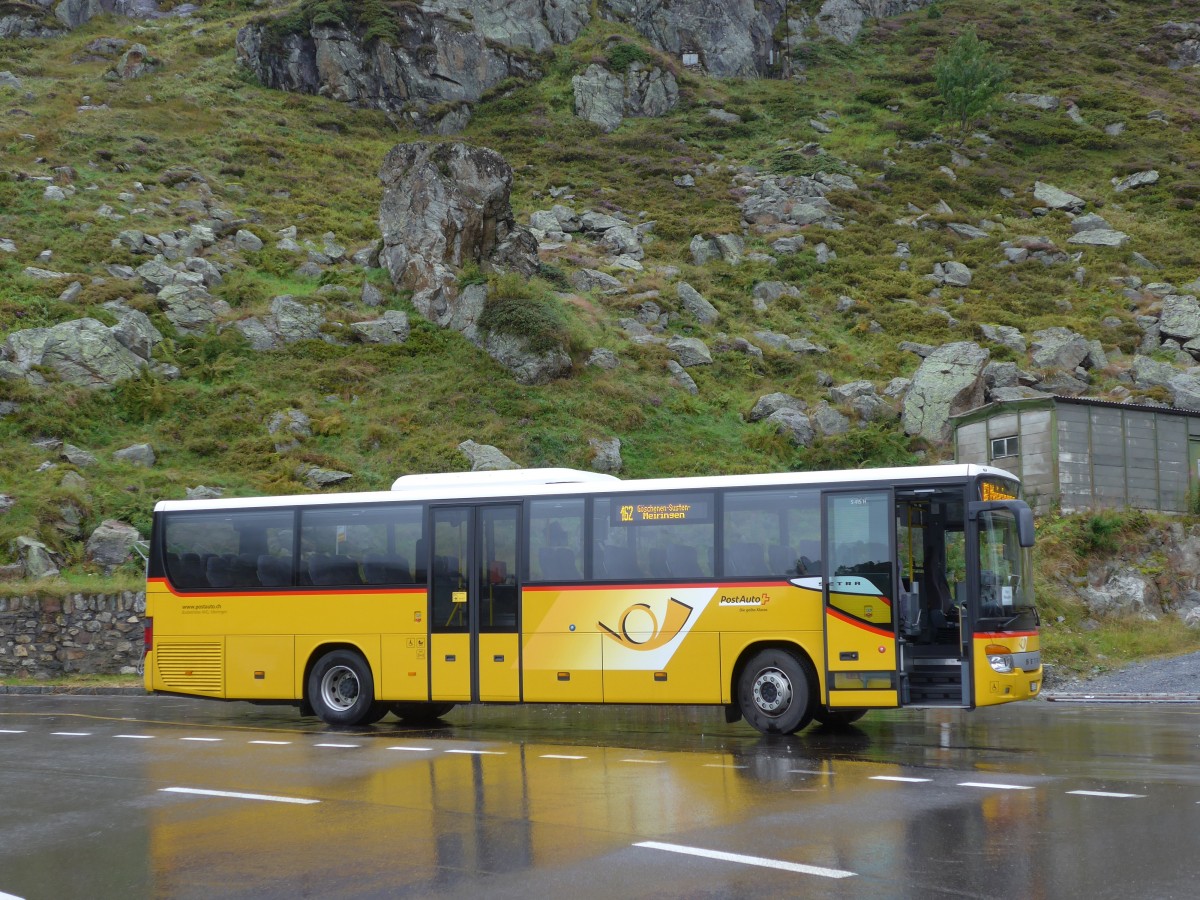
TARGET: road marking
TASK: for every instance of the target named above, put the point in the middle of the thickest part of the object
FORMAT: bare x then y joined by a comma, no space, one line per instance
71,733
649,762
10,731
4,896
136,737
340,746
747,860
723,766
479,752
560,756
203,740
1103,794
413,749
808,772
273,743
898,778
236,795
999,787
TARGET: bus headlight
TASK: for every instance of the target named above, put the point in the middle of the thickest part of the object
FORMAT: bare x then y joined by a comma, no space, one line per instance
999,658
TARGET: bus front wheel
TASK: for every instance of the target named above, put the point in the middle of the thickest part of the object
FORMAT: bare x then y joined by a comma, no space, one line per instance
342,690
774,692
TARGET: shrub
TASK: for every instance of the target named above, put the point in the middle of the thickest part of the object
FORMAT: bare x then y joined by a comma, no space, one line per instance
623,55
968,78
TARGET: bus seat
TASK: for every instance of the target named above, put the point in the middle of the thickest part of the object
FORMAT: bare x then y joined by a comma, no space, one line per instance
558,564
218,571
191,571
385,568
744,559
275,571
421,561
657,562
244,569
682,561
334,570
619,562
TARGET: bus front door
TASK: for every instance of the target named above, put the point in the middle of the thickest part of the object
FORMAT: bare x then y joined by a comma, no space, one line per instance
473,567
859,585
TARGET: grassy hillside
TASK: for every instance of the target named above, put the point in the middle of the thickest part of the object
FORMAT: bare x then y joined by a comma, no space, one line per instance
280,159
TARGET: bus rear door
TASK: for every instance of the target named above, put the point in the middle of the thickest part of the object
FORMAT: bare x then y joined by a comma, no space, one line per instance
859,586
473,587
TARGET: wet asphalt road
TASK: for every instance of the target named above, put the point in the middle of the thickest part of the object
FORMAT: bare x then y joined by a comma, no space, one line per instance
163,797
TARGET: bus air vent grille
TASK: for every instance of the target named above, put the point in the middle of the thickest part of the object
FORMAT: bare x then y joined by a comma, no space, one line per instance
192,666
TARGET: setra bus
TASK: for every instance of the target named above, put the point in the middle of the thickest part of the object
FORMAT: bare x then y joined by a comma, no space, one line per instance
783,598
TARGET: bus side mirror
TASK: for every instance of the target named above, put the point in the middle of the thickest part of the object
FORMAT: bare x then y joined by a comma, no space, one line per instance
1019,508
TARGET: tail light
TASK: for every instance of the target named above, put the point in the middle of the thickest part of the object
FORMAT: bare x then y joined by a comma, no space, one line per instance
148,634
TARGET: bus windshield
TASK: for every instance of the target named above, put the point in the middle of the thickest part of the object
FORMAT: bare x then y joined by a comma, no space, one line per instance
1005,575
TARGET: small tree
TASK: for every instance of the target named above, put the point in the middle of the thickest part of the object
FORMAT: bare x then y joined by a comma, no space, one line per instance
968,77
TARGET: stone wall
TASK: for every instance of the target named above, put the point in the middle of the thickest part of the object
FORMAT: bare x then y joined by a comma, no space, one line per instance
43,636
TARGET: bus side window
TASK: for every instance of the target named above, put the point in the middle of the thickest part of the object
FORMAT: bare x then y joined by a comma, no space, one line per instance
772,534
555,540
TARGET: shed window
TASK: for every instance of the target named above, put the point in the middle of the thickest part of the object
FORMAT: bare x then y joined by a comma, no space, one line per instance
1007,446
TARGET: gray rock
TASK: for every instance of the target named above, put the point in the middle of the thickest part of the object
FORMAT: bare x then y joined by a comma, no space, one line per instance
135,63
485,457
968,232
528,366
111,544
1005,336
622,241
36,558
367,257
43,274
1055,198
137,333
954,273
602,358
599,97
446,205
391,328
203,492
722,117
828,421
681,378
1100,238
289,427
794,425
703,311
597,223
844,393
897,388
872,408
247,241
371,295
1136,180
606,455
9,80
1180,317
1150,373
1059,348
77,457
788,245
1185,390
295,321
690,351
137,455
949,381
771,403
7,502
765,293
191,309
318,478
73,481
1090,222
83,352
1044,102
585,280
1124,592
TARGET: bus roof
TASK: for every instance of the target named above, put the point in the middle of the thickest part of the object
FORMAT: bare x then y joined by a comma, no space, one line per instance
444,487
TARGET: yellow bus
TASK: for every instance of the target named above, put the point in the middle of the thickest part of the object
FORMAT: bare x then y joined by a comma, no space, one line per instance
782,598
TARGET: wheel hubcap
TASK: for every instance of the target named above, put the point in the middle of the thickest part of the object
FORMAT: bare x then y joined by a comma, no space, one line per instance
772,692
340,687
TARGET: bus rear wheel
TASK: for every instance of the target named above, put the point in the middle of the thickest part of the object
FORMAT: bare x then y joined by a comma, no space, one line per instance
837,718
341,690
421,712
774,692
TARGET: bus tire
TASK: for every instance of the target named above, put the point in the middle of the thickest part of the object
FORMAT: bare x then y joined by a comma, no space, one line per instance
837,718
421,712
774,692
341,690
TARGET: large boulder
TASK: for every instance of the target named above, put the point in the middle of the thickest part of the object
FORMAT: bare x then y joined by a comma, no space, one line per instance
528,366
83,352
111,543
1180,317
948,381
445,206
599,97
485,457
1059,348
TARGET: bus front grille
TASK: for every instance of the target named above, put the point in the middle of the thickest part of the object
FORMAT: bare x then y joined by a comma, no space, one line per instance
190,666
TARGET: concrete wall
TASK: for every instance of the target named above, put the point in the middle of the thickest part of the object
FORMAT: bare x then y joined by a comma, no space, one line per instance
43,637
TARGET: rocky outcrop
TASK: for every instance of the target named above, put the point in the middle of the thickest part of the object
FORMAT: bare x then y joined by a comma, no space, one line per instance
111,543
485,457
83,352
843,20
605,98
949,381
443,57
290,321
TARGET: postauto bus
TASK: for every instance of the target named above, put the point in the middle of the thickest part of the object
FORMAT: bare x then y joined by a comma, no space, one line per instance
782,598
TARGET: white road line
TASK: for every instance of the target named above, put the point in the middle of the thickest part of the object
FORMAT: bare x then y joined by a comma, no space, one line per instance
236,795
479,752
1105,794
723,766
340,746
71,733
649,762
560,756
747,860
4,896
136,737
273,743
999,787
413,749
10,731
898,778
203,740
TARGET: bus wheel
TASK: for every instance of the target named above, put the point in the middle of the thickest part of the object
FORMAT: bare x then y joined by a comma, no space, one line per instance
342,691
837,718
421,712
774,692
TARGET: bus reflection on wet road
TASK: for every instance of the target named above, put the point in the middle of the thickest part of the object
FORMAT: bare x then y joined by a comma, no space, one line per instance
108,797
